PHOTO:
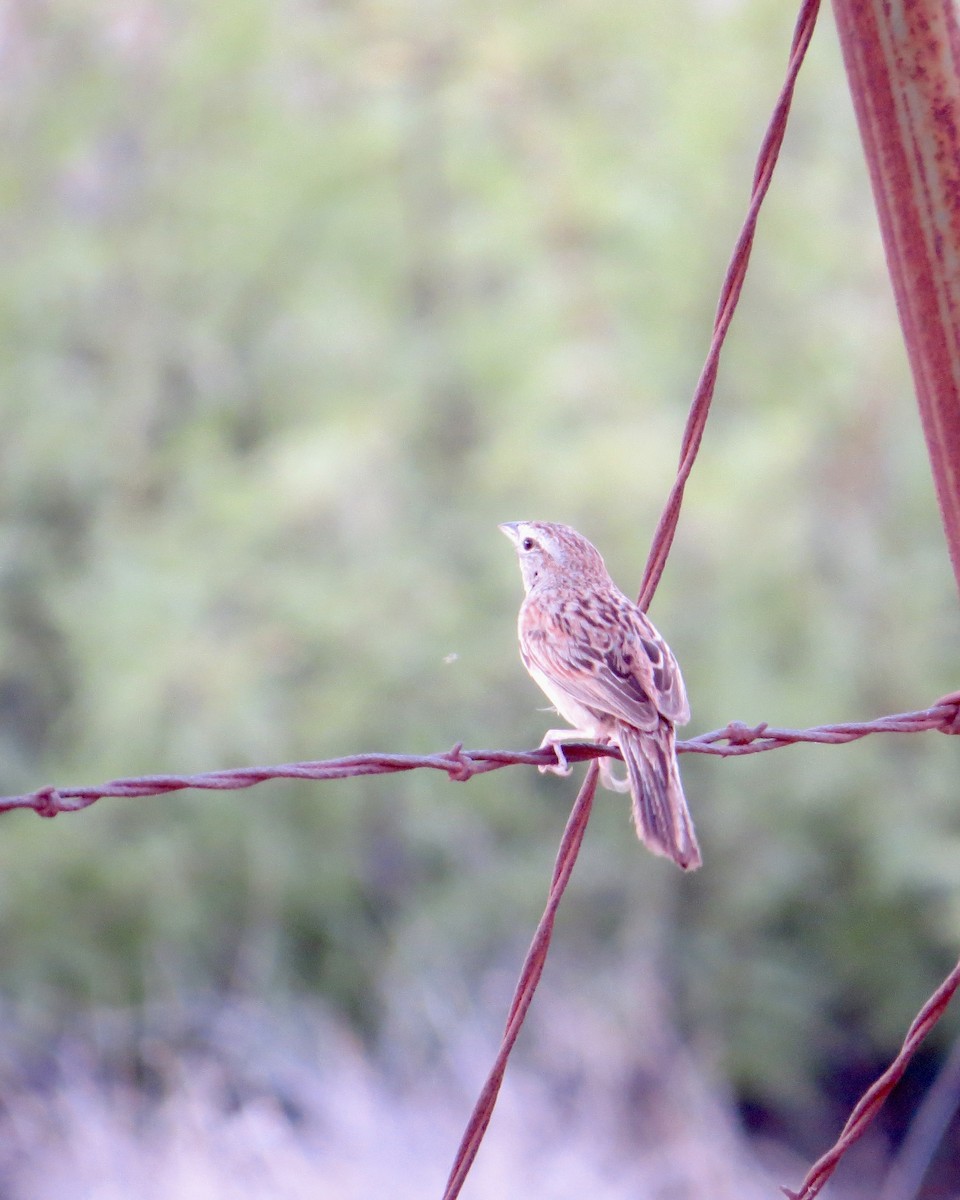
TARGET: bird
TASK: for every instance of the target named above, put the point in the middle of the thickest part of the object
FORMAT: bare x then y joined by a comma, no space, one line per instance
606,669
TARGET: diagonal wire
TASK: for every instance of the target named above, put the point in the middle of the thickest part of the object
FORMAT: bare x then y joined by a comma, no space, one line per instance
873,1098
729,297
925,1133
662,542
530,974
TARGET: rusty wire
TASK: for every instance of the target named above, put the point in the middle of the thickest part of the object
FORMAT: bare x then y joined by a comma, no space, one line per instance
734,739
530,974
729,298
461,765
873,1098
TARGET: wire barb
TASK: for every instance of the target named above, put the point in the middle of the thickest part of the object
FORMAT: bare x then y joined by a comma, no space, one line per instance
49,802
460,768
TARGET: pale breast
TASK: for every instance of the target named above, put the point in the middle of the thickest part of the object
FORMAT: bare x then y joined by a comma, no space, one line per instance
579,715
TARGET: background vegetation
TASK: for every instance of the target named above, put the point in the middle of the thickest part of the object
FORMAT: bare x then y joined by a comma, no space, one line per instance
299,300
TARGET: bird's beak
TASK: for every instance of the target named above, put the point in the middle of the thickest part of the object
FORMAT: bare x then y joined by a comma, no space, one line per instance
510,529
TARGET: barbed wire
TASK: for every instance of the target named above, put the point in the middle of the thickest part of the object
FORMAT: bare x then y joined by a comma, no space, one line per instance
461,765
734,739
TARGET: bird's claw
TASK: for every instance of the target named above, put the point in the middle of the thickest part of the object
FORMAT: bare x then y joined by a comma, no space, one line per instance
561,766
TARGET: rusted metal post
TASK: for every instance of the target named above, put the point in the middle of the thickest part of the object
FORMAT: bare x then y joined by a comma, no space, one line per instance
903,64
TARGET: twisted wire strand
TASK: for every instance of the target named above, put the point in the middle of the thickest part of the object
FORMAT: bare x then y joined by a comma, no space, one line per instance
461,765
530,974
873,1098
729,298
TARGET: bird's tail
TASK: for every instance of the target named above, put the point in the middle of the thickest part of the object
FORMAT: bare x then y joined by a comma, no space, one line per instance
660,811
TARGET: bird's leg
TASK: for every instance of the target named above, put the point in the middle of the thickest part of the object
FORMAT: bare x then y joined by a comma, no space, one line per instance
609,780
554,739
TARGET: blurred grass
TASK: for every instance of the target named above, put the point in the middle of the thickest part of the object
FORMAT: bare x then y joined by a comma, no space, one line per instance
299,301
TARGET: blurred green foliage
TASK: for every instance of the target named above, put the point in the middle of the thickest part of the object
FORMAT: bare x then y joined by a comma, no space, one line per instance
299,300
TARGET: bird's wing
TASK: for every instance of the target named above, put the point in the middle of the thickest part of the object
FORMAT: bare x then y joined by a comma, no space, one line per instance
664,671
624,670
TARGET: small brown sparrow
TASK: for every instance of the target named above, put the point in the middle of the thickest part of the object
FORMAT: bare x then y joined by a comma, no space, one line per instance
609,673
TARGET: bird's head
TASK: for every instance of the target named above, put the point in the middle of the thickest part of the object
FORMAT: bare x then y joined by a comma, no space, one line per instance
552,553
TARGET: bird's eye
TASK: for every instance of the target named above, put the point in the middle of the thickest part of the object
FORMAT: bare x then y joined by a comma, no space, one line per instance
528,543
